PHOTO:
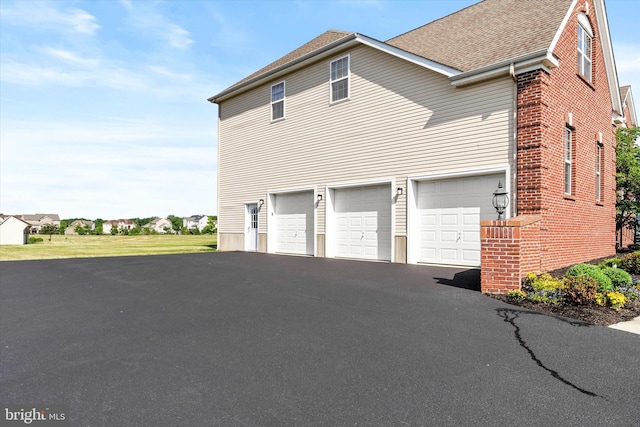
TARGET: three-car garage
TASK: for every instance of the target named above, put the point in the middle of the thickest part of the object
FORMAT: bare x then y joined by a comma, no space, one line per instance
443,215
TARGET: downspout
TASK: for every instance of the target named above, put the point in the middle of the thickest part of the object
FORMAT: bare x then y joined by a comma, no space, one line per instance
514,160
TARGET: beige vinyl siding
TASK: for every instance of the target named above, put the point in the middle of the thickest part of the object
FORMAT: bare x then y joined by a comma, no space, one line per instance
401,120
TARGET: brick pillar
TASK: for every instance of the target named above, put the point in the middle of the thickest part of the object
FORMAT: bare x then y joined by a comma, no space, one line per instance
532,125
509,250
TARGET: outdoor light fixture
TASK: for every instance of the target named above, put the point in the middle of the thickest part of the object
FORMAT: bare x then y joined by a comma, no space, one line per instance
260,202
500,200
319,198
399,191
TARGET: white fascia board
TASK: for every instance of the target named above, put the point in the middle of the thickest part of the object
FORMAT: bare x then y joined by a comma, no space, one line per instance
531,61
416,59
296,64
328,50
563,25
632,108
609,59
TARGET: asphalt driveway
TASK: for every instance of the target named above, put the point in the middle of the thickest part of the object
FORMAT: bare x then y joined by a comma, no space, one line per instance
235,339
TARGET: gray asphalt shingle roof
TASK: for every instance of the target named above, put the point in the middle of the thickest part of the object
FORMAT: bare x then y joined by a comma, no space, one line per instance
482,34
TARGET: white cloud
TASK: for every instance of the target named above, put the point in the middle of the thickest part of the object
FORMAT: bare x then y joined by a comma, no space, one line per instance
68,56
107,167
35,74
148,23
43,15
178,37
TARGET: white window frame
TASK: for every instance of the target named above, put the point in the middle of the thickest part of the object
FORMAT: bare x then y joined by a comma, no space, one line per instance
568,160
277,101
347,78
599,151
585,49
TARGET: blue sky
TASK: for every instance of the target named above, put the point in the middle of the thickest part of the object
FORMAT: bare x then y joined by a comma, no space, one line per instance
103,109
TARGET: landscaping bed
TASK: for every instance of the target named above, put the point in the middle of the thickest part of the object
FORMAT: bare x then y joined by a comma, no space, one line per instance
581,292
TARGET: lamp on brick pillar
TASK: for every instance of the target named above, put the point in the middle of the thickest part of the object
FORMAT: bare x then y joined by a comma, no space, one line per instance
500,200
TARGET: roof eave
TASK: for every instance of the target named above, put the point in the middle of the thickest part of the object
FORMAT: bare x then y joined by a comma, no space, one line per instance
531,61
609,59
286,68
328,50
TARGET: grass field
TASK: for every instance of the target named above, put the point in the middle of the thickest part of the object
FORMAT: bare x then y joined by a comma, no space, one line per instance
102,246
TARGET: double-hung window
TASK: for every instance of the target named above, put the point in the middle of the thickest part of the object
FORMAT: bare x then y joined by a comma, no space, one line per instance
599,152
585,38
568,160
277,101
340,79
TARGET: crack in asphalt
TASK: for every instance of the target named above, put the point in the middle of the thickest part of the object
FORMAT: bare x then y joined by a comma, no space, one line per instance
505,314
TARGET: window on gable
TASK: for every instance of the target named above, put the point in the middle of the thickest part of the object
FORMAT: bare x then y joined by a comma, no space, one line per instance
585,39
568,160
340,79
277,101
599,164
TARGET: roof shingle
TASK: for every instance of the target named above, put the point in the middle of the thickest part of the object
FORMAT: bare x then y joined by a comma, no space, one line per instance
486,33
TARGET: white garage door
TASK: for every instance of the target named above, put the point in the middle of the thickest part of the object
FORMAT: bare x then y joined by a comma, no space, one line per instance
294,223
449,214
363,222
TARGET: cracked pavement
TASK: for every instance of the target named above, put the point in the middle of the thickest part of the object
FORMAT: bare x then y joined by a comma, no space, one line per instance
245,339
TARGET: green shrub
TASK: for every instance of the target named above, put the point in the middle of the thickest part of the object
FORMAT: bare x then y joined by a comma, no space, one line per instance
618,277
610,262
35,239
604,283
580,290
631,263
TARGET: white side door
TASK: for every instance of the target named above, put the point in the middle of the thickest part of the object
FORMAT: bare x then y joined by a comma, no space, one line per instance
251,228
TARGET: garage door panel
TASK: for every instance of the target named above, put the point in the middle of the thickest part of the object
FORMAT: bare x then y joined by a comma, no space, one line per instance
449,219
471,218
470,237
471,256
448,236
449,213
449,254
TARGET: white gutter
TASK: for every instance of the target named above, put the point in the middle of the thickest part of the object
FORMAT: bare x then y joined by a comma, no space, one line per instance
407,56
531,61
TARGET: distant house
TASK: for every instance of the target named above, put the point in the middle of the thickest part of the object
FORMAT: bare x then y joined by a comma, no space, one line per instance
71,229
119,224
37,221
13,230
195,221
159,225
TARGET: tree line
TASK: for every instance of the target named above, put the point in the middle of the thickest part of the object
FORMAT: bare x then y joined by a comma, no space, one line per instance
139,229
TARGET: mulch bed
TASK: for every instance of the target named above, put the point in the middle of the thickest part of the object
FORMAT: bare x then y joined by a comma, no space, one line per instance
592,314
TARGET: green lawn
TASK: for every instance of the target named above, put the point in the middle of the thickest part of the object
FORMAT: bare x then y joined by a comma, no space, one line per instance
101,246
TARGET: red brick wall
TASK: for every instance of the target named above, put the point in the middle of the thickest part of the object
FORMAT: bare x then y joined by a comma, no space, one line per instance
509,250
574,227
